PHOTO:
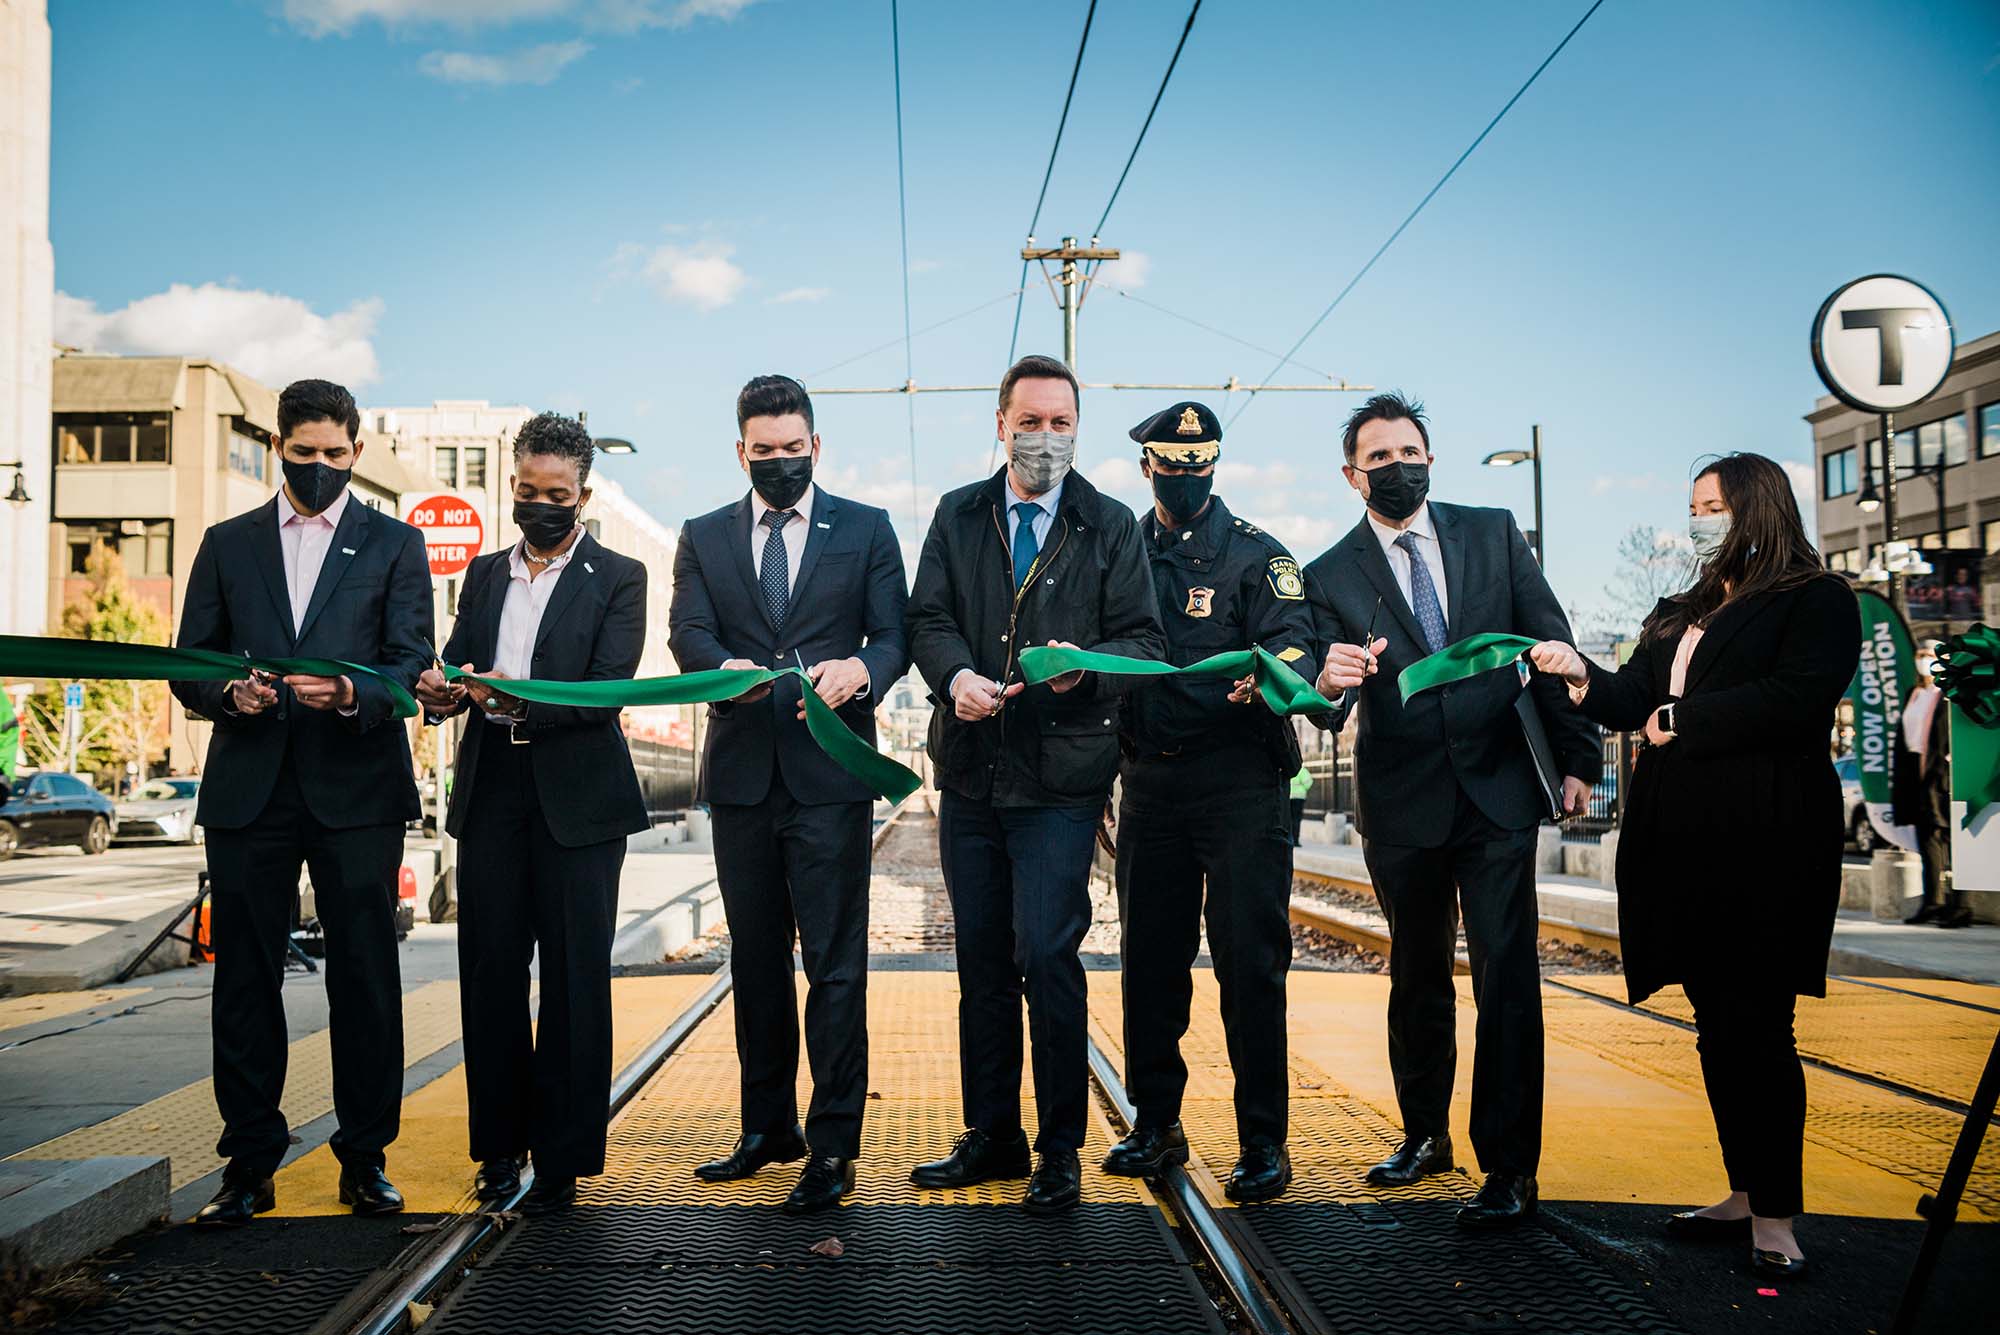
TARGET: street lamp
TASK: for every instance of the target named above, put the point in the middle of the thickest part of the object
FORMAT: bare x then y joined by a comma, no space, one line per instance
615,445
17,495
1531,455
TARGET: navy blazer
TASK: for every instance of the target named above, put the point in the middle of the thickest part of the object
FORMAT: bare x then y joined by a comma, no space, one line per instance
847,602
593,629
372,606
1410,759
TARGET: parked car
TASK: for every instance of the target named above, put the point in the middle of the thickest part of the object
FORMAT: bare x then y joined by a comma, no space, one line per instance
1861,836
46,809
161,811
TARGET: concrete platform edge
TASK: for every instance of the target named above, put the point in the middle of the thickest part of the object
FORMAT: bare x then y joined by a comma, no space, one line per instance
63,1210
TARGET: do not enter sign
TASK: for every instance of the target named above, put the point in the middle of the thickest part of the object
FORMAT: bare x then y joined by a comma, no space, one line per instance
453,531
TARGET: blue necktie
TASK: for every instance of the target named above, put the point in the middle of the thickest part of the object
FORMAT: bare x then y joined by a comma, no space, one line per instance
1423,595
1024,540
776,578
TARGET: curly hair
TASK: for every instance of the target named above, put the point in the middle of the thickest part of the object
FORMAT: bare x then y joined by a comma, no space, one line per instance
559,436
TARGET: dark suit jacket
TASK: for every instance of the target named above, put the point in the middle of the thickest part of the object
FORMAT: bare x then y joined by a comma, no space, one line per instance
593,629
1730,839
847,602
372,606
1409,759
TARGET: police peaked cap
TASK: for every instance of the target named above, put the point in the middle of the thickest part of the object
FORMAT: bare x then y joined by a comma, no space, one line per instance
1186,435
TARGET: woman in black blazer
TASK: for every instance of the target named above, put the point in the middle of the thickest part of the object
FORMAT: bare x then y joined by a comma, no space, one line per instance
1730,846
544,798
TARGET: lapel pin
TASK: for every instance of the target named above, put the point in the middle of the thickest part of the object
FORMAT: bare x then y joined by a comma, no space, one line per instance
824,524
589,568
347,551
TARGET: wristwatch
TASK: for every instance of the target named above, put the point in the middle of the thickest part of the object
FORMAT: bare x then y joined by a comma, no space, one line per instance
1665,718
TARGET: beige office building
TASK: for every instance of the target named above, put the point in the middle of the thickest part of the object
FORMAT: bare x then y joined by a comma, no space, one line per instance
27,304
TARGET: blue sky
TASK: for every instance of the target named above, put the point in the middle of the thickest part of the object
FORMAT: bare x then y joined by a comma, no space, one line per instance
631,206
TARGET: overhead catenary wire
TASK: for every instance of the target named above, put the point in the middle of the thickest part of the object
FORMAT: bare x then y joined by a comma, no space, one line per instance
1209,328
1089,14
903,225
894,342
1131,157
1428,196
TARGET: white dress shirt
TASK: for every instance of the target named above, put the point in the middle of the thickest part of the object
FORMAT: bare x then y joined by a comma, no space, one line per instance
1045,513
306,539
795,531
1427,545
521,613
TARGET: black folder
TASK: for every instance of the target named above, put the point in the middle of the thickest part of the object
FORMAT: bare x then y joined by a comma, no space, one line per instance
1546,772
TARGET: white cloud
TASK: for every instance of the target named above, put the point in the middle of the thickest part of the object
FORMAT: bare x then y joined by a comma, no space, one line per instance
1801,475
925,266
1604,484
321,18
275,338
793,294
534,64
1129,272
702,275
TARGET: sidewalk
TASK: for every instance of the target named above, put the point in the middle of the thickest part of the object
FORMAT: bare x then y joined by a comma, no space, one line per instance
1862,945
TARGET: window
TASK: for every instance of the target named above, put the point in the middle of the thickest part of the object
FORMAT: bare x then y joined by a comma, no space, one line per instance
249,454
1837,473
146,545
112,438
1989,429
447,465
1989,534
475,467
1959,537
1846,561
68,785
1955,451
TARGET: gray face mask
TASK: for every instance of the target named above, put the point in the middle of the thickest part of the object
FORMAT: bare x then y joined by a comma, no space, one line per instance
1041,459
1708,532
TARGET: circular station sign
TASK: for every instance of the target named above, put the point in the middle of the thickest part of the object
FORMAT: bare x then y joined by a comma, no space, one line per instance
452,528
1882,343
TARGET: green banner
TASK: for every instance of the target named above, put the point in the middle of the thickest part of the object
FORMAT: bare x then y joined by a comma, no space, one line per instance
114,660
10,739
1975,764
1471,656
1882,682
1284,691
1969,674
883,775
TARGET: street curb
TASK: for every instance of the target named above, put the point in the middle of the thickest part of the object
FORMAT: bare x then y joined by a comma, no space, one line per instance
62,1210
97,961
668,928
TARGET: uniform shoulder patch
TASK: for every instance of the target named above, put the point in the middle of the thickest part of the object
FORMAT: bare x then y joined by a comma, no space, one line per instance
1283,575
1291,655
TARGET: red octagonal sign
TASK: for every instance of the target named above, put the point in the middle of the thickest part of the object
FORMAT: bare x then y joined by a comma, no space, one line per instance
453,532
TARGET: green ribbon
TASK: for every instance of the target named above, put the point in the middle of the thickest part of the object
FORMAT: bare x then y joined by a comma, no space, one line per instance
1470,657
1284,691
115,660
883,775
1969,675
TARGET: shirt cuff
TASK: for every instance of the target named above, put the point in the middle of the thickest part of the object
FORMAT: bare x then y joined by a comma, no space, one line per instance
1576,693
951,687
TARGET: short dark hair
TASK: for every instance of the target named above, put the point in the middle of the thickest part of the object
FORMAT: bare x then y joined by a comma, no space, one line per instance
1034,366
1389,407
559,436
773,396
305,401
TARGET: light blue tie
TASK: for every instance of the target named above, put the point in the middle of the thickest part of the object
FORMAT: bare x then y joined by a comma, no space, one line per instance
1025,548
1423,595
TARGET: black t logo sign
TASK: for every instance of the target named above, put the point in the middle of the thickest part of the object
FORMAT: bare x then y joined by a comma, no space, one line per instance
1887,321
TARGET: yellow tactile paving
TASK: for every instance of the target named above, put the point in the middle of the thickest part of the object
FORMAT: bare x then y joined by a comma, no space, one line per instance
429,1162
690,1114
40,1006
185,1126
1928,1045
1615,1082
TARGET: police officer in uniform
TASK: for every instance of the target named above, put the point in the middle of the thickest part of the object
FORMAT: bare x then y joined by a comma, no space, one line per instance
1206,801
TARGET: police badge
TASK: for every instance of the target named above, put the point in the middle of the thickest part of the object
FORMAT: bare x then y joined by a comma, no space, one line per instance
1200,601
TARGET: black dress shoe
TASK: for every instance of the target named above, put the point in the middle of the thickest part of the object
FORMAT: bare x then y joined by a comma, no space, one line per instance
1958,917
1146,1151
753,1152
1413,1160
369,1191
1694,1226
1057,1184
1503,1201
976,1157
549,1194
1777,1265
498,1179
238,1202
1261,1174
825,1180
1925,913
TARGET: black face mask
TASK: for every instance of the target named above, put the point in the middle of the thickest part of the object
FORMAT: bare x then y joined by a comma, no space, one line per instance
315,485
1396,490
1183,495
782,480
544,525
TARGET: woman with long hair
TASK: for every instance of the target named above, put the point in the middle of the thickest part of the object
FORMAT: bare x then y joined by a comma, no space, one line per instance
1730,846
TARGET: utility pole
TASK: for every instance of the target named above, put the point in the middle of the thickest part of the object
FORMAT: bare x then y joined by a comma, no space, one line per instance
1072,282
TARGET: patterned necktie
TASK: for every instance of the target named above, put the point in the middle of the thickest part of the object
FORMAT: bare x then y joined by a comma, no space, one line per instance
776,578
1423,594
1024,540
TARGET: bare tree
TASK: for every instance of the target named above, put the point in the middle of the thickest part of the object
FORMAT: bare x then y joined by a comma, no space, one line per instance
1651,565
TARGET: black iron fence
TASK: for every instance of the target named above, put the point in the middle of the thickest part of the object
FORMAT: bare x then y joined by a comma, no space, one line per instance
666,775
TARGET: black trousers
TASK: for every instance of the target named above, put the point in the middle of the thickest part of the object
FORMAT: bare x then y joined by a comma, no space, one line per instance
253,879
1298,805
1234,837
1489,873
539,1090
1019,882
790,869
1756,1089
